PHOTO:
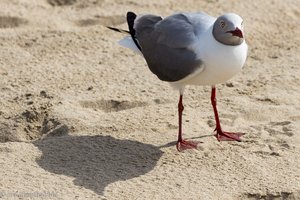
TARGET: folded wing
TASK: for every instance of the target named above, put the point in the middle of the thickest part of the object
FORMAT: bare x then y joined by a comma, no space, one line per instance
167,44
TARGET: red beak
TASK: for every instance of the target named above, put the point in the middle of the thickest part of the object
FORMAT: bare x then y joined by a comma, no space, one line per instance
237,32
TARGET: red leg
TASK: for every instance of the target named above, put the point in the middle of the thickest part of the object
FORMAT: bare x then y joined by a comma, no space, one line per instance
222,135
183,144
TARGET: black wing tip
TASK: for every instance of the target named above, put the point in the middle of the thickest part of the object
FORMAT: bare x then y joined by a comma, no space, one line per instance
131,15
117,30
112,28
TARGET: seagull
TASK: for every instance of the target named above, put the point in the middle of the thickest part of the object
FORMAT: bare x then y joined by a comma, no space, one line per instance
190,49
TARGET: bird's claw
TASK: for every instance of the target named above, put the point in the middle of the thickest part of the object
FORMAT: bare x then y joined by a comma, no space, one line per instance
228,136
184,145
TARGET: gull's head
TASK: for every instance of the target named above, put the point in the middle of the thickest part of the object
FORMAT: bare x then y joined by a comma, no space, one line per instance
228,29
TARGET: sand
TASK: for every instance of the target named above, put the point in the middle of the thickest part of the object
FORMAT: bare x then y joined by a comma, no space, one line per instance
83,118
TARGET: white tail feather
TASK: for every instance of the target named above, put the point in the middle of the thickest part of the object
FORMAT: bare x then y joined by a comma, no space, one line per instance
129,43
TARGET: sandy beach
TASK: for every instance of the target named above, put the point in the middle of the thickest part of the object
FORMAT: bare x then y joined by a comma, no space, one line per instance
83,118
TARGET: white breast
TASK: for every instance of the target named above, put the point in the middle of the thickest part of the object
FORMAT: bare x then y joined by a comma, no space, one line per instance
221,62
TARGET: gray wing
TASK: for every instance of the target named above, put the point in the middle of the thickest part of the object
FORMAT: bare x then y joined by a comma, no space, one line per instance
166,45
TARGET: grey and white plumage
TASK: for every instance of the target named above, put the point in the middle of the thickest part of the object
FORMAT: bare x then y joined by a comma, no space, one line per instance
183,49
190,49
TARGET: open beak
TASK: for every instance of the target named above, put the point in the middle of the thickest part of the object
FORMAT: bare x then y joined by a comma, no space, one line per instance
237,32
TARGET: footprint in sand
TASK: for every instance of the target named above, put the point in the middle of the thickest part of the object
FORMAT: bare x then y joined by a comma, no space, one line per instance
112,105
61,2
276,142
102,20
226,119
279,128
275,195
11,22
79,3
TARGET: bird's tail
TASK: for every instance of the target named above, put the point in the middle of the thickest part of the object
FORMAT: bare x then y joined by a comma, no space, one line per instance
127,41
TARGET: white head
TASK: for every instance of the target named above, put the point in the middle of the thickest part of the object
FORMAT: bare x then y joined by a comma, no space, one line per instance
228,29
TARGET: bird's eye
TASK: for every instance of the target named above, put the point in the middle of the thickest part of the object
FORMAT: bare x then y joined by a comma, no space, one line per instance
222,24
242,24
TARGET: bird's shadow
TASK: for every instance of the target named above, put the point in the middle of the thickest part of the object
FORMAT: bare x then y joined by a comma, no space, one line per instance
96,161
